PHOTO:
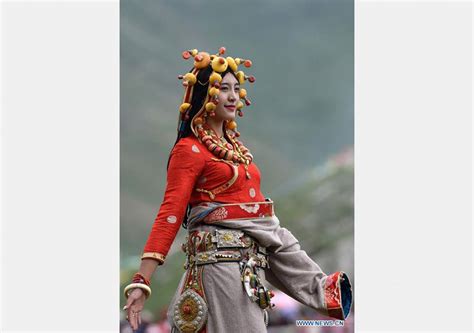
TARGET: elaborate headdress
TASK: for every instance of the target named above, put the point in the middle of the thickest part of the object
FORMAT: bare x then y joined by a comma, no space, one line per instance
219,65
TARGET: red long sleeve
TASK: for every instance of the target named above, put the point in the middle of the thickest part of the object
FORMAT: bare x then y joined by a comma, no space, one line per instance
186,164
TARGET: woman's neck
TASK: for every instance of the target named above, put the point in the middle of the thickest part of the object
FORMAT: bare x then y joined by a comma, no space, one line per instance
216,126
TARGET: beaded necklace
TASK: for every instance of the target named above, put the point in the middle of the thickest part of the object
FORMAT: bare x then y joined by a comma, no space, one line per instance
234,151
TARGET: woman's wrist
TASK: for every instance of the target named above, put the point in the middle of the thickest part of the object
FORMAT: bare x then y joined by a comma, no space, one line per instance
132,286
139,281
140,278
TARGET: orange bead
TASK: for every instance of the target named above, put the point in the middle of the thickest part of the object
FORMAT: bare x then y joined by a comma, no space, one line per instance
232,125
198,121
201,60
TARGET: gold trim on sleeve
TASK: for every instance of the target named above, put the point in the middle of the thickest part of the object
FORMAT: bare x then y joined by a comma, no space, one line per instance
154,255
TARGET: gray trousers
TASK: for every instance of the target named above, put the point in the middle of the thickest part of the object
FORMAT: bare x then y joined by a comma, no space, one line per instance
290,269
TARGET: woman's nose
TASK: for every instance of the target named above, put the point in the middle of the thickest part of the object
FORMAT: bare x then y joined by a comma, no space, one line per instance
232,96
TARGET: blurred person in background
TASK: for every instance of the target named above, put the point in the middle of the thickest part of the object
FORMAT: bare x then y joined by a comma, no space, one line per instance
235,241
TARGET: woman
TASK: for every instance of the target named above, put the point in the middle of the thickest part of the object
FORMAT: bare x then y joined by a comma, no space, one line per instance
235,241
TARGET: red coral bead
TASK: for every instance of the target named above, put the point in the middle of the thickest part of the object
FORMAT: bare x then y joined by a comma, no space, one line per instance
222,50
187,309
252,78
186,55
247,63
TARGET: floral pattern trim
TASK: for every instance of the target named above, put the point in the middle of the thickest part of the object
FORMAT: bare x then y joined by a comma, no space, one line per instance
240,211
338,295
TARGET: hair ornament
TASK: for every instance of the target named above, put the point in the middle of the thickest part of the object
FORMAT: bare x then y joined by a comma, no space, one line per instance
189,79
219,64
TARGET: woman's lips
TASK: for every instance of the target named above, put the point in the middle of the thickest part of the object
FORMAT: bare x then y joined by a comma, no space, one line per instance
230,107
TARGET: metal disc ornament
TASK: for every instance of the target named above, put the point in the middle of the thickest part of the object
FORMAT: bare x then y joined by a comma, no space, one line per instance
190,312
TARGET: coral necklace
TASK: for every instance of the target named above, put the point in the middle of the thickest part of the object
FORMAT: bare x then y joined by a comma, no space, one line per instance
234,151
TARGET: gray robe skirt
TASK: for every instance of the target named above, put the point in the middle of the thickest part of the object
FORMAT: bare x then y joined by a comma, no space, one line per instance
290,269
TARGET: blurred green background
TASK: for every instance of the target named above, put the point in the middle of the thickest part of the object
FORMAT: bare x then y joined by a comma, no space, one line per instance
300,126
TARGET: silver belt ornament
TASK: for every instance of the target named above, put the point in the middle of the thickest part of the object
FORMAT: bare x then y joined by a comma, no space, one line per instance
225,245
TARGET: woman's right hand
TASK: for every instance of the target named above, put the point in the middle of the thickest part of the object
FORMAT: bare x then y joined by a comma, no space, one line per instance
135,302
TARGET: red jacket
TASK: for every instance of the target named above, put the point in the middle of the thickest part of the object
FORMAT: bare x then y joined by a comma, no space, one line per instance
192,167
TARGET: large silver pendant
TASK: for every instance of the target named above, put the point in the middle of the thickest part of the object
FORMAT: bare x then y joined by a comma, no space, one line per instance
190,312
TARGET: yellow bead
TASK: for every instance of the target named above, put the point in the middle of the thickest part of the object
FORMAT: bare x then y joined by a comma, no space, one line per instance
240,105
232,64
194,52
238,61
213,91
242,93
184,107
210,107
241,77
219,64
190,78
215,77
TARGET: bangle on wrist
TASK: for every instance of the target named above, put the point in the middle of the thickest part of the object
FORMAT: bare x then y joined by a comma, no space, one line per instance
139,278
146,289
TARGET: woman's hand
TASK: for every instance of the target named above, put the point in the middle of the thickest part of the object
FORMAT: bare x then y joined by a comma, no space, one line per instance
135,302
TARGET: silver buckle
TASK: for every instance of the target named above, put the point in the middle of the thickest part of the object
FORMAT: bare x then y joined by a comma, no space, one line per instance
229,238
206,257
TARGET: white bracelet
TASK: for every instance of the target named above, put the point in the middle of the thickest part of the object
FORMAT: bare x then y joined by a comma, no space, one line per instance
142,286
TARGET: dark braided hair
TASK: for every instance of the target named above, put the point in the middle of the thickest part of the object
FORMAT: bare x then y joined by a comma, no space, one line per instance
200,89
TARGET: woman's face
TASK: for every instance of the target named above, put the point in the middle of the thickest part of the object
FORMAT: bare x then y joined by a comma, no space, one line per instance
228,98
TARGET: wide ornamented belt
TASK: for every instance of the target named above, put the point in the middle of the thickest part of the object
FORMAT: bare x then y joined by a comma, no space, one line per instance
222,245
238,211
